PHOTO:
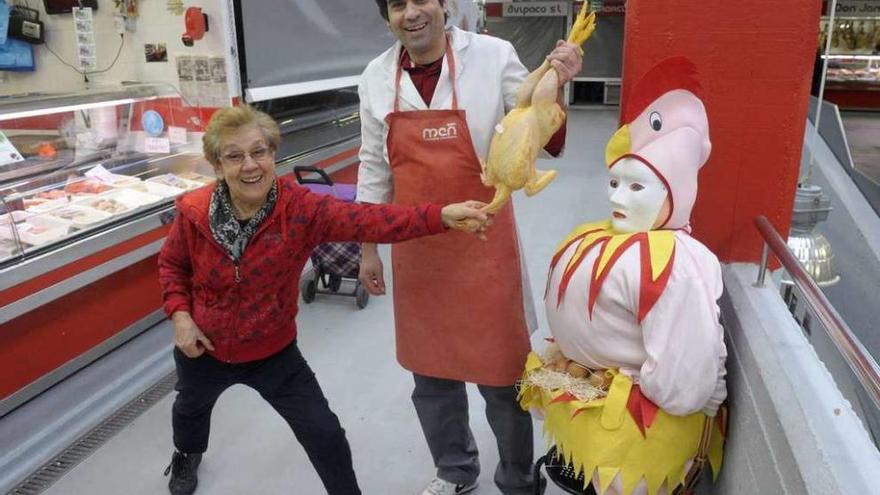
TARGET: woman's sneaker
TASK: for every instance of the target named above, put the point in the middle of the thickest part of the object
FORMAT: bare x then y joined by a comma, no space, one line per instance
443,487
183,467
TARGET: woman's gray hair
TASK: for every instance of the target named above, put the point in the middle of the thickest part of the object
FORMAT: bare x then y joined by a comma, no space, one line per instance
230,120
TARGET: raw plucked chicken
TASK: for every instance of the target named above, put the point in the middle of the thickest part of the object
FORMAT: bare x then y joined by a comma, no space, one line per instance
527,128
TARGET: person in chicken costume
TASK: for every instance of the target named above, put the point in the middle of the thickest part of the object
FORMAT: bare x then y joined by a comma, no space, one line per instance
632,304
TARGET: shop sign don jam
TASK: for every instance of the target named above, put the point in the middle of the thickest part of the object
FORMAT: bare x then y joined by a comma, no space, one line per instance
858,8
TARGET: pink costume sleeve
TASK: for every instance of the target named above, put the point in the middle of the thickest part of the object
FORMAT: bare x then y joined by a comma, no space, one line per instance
684,371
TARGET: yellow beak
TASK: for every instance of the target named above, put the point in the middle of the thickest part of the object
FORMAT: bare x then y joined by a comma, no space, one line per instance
619,145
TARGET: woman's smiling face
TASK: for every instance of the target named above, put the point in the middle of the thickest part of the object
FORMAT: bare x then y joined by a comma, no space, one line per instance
247,165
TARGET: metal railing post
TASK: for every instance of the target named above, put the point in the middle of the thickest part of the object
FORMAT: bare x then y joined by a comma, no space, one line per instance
762,269
859,360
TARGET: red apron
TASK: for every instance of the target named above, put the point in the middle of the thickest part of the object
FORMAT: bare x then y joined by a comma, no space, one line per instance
458,301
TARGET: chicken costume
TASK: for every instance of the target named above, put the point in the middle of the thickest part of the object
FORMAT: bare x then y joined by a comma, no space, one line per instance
641,308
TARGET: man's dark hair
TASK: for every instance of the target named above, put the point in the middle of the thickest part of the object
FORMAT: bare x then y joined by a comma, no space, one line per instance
383,7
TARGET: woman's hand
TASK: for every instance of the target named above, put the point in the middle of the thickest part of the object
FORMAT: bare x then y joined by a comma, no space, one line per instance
467,217
371,272
187,336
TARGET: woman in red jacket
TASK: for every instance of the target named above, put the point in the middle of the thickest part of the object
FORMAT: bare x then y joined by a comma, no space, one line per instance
229,271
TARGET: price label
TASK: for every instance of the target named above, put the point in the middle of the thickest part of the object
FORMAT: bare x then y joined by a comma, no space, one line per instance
101,174
157,145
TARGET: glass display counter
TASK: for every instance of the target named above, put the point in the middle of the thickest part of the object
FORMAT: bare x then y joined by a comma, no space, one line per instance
73,165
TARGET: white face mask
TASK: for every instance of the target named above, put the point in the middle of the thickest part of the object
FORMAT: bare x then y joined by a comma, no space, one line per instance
637,195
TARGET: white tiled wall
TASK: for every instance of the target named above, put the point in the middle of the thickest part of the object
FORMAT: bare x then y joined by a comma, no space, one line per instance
154,25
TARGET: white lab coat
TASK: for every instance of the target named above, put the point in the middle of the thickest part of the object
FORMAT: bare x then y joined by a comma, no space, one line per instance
488,75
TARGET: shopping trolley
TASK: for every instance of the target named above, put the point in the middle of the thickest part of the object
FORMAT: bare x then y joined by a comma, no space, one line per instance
332,262
562,474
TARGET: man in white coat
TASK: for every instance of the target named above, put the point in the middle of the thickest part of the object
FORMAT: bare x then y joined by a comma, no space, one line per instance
428,107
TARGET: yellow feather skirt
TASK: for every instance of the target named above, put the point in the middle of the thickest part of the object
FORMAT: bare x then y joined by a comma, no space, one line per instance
601,436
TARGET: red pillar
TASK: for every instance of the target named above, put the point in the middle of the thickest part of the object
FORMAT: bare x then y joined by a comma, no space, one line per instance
755,59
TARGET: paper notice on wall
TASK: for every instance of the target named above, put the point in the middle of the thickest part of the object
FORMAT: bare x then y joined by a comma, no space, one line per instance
8,153
186,77
219,88
185,69
202,80
202,67
85,38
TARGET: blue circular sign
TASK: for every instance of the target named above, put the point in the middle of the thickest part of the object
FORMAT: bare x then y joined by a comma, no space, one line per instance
152,123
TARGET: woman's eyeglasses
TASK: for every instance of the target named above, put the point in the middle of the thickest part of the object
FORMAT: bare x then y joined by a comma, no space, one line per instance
238,157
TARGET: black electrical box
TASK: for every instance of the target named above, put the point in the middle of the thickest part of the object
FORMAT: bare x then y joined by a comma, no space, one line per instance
25,25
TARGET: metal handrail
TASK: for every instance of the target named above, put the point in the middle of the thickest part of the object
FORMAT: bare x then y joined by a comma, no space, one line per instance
854,353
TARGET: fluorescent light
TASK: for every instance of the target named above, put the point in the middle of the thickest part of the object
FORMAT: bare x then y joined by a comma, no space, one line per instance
70,108
286,90
852,57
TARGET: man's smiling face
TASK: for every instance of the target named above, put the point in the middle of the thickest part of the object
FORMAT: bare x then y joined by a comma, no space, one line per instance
418,24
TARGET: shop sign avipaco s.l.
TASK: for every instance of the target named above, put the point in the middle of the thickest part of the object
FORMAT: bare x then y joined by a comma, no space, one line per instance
535,9
860,8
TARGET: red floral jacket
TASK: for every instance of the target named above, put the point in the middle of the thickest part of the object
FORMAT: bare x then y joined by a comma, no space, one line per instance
248,310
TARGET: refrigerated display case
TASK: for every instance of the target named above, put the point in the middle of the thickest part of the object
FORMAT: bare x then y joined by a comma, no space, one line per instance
77,165
87,189
87,184
853,78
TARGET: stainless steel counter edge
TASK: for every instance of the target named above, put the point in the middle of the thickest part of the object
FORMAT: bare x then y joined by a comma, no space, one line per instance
80,280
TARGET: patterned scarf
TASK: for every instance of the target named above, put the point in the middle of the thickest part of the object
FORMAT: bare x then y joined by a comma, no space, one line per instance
226,228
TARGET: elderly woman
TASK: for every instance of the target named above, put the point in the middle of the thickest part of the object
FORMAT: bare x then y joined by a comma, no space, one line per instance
229,271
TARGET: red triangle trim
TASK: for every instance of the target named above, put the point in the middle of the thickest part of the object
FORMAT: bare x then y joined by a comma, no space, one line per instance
642,410
558,255
598,279
566,277
650,290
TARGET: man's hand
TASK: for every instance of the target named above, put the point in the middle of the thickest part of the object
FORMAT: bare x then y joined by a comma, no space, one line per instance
467,217
187,336
568,59
372,273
